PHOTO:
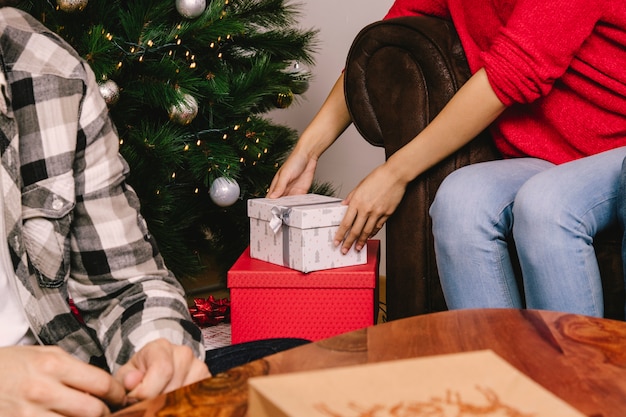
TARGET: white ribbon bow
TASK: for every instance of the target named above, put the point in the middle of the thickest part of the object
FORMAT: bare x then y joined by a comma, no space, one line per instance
280,216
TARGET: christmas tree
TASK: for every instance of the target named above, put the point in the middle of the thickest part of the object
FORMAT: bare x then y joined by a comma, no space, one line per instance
187,83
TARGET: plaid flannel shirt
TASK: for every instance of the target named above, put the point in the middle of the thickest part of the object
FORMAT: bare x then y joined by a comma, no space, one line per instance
73,226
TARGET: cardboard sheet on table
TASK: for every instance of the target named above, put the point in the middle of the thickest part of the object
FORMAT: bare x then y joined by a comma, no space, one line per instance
466,384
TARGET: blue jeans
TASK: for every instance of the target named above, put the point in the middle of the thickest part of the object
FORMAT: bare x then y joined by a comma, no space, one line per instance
551,211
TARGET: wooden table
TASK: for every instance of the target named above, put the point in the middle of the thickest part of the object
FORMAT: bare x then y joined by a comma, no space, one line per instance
580,359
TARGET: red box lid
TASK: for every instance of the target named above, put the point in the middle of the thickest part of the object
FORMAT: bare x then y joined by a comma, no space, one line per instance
254,273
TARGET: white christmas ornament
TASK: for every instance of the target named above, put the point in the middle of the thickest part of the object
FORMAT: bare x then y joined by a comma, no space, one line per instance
110,92
190,9
72,5
224,191
185,111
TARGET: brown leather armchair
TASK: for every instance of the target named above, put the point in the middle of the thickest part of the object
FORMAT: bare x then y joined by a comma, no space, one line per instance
399,74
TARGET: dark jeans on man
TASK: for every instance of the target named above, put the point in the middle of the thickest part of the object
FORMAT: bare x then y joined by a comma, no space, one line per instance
227,357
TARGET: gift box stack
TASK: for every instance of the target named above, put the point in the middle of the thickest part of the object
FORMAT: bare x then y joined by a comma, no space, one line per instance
292,281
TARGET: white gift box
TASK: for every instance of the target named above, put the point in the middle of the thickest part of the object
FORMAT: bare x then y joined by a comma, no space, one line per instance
298,232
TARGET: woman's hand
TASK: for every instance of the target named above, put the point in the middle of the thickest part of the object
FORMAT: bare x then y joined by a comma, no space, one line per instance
369,206
48,382
294,177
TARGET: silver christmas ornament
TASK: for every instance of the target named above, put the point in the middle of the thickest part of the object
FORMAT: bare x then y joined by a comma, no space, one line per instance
224,191
72,5
185,111
190,9
110,92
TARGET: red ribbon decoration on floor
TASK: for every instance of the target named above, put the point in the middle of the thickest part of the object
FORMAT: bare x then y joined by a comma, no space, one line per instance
210,311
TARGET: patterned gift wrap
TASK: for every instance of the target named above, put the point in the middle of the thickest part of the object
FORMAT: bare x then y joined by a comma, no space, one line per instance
298,231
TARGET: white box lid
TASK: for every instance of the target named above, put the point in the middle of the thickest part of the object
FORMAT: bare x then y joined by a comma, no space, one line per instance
304,211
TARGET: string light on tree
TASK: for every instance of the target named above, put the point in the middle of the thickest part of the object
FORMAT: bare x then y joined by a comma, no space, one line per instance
190,9
72,5
224,191
184,111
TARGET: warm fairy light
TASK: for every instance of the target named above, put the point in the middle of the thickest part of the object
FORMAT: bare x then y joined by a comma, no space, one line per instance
199,142
109,37
219,55
119,65
150,43
241,160
141,58
257,140
121,141
265,150
225,136
187,54
132,49
245,148
237,127
258,156
212,45
192,65
170,52
186,148
179,41
196,191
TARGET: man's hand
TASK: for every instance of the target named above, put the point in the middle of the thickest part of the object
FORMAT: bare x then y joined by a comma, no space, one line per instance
45,381
158,368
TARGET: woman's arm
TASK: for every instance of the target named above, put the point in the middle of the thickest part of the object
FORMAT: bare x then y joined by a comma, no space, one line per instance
295,176
473,108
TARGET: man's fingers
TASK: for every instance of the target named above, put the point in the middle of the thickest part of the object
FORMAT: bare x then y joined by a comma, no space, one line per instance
51,395
165,367
77,377
96,382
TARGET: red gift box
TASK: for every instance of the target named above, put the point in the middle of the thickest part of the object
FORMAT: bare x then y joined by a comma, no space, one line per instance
269,300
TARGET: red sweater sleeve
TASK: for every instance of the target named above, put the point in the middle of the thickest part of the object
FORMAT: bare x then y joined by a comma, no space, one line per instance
400,8
537,45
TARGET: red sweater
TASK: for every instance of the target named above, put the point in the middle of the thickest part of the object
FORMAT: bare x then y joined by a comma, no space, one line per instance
559,66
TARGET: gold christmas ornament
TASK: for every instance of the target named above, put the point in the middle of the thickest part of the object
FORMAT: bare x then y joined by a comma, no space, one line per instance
110,92
190,9
284,100
72,5
185,111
